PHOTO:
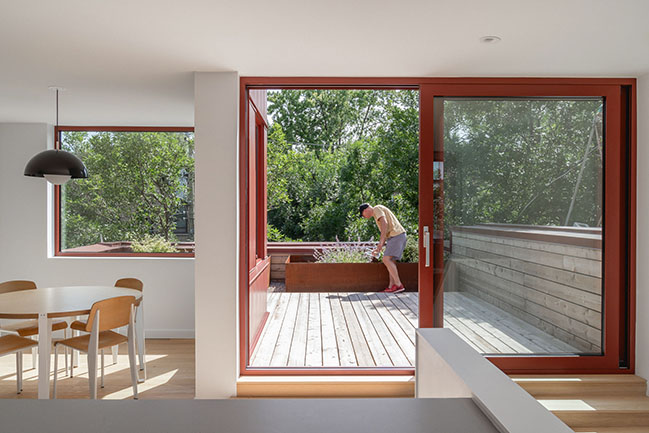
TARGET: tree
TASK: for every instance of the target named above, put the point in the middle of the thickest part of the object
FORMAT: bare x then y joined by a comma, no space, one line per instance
137,183
505,161
315,188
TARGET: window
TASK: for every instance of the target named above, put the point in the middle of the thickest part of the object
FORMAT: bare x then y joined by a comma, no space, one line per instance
139,195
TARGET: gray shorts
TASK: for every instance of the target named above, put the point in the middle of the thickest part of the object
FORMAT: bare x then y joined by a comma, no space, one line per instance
395,245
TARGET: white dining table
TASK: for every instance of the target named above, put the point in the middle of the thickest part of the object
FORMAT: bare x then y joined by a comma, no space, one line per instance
49,303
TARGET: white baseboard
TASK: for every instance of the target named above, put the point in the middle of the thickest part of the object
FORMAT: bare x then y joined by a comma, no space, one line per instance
169,333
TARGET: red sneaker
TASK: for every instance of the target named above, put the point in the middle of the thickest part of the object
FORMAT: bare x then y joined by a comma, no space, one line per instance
395,289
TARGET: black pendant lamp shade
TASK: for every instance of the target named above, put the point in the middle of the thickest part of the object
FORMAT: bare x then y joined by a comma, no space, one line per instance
56,165
56,162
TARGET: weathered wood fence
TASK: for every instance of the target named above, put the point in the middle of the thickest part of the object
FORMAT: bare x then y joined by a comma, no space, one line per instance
550,277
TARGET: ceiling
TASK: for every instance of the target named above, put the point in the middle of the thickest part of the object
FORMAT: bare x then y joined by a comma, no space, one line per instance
131,62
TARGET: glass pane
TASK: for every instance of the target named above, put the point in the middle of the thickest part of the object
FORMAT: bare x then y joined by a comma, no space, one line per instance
522,222
139,195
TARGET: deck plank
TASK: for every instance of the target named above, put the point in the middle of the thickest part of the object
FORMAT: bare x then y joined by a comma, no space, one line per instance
492,313
378,329
404,323
394,334
500,341
314,332
329,346
378,350
346,352
297,354
516,341
361,345
283,345
268,339
395,352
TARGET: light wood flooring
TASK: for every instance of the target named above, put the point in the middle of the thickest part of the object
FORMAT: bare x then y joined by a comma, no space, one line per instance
170,375
378,329
587,403
602,403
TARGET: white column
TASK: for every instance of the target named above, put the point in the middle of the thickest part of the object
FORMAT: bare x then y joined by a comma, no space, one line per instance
216,96
642,247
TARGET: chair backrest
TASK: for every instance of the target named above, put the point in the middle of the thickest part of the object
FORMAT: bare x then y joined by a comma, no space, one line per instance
115,313
130,283
16,285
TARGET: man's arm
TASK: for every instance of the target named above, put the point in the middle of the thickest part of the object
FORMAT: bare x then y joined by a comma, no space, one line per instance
383,224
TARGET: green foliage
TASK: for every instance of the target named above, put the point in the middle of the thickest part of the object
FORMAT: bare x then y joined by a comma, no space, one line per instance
317,177
411,252
152,244
137,183
274,235
505,161
518,162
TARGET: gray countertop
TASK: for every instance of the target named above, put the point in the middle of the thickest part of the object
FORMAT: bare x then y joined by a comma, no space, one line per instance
246,416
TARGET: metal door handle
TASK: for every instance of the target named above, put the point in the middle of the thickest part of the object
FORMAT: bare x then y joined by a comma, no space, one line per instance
427,245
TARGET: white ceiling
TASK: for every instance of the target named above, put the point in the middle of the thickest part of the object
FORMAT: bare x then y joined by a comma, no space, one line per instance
131,61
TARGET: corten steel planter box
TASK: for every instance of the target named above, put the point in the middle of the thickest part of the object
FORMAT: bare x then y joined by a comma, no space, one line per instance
304,275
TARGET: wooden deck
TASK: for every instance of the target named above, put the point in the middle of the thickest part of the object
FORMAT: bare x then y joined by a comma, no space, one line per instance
378,329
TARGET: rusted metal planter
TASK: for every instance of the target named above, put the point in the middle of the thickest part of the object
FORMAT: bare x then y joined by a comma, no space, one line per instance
304,275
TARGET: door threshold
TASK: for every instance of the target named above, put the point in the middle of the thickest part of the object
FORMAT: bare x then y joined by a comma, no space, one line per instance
326,386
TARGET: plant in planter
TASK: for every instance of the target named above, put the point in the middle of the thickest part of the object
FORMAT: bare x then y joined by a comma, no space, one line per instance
344,267
360,252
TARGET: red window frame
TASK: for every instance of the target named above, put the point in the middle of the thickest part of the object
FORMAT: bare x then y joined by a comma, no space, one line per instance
620,206
57,189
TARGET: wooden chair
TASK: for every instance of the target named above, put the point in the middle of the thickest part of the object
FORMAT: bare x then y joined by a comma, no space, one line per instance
15,344
29,328
135,284
104,316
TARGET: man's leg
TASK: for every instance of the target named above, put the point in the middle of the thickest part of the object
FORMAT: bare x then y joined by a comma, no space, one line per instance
390,264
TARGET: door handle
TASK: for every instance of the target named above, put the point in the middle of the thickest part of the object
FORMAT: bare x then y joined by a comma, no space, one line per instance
427,245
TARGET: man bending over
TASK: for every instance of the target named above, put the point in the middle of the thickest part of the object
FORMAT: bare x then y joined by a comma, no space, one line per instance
393,237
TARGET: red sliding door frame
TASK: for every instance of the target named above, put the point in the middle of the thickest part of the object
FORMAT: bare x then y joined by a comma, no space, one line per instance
620,187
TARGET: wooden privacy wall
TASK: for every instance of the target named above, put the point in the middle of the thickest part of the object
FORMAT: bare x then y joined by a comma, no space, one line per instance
551,277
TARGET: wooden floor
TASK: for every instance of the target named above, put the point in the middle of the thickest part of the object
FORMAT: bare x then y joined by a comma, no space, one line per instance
597,403
378,329
587,403
170,368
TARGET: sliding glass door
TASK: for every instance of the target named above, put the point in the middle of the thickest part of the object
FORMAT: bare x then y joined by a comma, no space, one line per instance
524,254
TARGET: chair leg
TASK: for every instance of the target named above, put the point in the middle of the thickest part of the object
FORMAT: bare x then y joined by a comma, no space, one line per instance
139,340
65,348
92,373
114,350
132,361
102,368
35,357
56,366
72,362
19,372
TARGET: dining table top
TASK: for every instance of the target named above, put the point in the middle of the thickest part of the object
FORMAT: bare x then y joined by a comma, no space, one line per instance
64,301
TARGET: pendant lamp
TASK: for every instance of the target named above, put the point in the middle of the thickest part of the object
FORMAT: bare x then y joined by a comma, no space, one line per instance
55,165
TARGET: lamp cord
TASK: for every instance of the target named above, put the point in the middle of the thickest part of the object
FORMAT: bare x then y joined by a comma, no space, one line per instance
57,146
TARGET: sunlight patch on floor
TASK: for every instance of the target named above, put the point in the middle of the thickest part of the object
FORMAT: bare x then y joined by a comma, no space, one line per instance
31,374
559,405
151,382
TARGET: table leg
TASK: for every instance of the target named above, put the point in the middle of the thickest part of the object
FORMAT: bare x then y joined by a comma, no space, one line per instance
44,346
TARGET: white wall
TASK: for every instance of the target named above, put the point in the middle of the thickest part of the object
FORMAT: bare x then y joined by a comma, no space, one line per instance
642,310
216,215
168,283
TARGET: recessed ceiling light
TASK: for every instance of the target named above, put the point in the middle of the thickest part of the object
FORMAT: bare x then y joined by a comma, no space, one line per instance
490,39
